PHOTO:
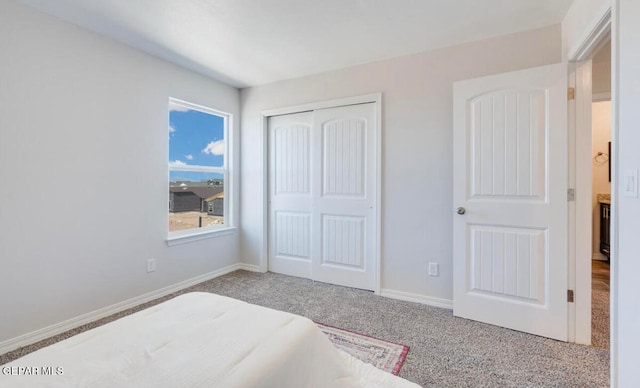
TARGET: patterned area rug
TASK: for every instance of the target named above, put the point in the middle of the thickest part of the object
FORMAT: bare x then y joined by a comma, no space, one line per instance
382,354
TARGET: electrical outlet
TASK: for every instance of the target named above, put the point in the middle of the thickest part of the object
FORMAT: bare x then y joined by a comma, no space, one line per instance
434,269
151,265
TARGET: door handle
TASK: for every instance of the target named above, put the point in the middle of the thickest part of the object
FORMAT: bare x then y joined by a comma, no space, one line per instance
461,210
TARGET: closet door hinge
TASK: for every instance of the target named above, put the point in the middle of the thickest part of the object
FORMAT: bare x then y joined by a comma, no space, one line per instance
571,195
571,93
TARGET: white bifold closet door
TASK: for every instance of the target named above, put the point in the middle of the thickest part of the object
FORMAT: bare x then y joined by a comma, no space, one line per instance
322,195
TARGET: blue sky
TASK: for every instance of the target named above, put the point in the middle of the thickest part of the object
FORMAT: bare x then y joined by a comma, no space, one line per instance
197,139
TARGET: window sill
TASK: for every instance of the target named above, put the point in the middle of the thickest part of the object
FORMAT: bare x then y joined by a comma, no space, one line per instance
177,238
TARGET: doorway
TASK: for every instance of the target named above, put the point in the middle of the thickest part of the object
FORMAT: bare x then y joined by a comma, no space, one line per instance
601,195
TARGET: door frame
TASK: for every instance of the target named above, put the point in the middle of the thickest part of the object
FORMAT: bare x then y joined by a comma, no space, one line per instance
579,119
375,98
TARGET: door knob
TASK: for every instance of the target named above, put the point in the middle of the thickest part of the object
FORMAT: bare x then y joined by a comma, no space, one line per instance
461,210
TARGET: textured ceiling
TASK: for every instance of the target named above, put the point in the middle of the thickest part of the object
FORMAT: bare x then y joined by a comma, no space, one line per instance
253,42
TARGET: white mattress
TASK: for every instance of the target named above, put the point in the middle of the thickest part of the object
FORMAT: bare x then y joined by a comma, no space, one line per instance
198,340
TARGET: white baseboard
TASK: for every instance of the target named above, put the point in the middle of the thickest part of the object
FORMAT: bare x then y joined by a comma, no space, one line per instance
417,298
249,267
599,256
49,331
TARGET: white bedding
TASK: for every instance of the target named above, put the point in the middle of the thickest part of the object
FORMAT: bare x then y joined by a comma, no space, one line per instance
198,340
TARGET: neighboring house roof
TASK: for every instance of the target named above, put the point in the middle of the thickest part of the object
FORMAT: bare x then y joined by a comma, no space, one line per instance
204,183
202,192
217,196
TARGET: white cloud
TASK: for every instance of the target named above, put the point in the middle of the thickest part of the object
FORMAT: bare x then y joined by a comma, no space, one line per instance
214,148
189,157
178,108
172,129
177,163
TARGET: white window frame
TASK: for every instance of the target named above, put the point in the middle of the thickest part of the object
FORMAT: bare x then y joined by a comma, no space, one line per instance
189,235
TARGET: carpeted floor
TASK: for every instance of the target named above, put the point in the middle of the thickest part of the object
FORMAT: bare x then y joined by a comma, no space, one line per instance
600,295
445,351
600,319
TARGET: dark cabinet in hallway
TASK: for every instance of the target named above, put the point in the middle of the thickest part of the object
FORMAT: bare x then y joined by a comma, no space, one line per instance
605,228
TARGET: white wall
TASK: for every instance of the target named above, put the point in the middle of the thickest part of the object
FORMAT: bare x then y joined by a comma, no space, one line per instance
600,137
83,171
582,17
417,146
626,245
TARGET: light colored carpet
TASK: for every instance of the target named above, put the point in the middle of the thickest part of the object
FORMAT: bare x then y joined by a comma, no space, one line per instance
600,319
600,294
445,351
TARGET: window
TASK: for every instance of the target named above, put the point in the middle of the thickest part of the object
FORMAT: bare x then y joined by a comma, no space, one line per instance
198,169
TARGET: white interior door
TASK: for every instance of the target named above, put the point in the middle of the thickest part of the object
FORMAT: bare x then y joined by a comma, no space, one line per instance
344,206
510,183
322,195
290,200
